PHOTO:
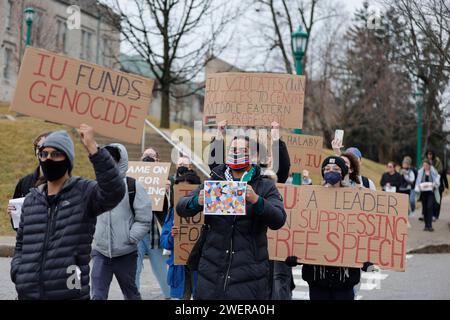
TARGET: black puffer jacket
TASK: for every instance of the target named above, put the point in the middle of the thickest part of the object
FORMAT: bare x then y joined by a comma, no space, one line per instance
234,262
50,240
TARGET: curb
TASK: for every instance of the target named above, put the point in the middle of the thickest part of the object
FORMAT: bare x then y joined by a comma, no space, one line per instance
6,251
431,249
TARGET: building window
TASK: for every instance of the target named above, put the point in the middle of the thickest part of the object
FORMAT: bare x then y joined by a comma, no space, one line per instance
61,36
86,45
106,52
9,14
7,66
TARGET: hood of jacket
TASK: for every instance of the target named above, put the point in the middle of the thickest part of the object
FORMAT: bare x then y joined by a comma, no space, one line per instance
123,162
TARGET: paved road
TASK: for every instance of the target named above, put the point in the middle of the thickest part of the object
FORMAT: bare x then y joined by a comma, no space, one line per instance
149,286
427,276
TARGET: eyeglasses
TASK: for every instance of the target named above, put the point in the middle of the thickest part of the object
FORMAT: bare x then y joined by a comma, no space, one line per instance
54,155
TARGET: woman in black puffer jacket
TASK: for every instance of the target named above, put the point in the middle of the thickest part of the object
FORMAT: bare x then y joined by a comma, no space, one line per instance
234,262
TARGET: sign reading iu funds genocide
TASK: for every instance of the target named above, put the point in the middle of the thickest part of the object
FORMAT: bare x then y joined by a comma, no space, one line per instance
305,152
189,229
69,91
342,227
254,99
153,176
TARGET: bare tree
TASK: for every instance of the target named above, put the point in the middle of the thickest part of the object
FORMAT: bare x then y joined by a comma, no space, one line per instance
174,37
426,32
285,16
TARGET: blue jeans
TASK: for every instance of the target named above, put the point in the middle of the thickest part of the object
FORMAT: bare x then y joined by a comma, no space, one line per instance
157,262
123,268
412,200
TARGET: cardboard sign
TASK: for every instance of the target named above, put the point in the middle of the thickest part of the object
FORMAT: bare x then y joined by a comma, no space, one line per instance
188,228
305,152
224,197
254,99
69,91
153,176
342,227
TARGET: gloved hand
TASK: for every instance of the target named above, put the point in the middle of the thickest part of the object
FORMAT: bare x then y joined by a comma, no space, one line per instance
292,261
367,267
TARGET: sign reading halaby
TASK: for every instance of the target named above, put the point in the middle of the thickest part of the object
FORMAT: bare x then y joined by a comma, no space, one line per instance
189,229
153,176
254,99
69,91
342,227
305,152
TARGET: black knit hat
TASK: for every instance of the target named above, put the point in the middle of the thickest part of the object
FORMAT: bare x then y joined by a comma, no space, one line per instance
337,161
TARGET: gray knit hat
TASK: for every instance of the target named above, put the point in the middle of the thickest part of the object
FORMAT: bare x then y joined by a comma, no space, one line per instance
61,140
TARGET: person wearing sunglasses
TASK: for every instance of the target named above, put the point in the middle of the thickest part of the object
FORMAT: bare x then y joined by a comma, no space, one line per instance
57,224
31,180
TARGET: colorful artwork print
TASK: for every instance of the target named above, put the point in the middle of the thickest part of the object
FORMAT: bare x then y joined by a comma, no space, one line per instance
225,197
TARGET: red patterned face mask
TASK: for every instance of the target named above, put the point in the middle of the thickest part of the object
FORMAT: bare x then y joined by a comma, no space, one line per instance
237,160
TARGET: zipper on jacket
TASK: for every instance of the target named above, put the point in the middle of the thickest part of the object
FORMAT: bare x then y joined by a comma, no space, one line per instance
43,256
231,253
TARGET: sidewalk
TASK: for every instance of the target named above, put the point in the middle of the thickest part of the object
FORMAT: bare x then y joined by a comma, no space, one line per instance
417,238
7,245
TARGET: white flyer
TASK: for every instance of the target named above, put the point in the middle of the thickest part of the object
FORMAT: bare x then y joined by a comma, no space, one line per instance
15,214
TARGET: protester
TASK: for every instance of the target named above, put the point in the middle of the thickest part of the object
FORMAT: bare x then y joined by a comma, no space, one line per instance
427,186
117,234
234,260
391,179
434,160
276,167
279,162
328,282
29,181
408,178
351,179
181,279
53,244
150,244
365,182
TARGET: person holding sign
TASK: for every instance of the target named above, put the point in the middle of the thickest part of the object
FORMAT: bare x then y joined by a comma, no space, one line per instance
117,234
150,244
329,282
427,187
234,259
53,244
30,181
181,280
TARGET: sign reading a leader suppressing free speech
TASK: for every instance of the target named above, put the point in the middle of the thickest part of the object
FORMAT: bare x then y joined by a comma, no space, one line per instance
69,91
153,176
254,99
342,227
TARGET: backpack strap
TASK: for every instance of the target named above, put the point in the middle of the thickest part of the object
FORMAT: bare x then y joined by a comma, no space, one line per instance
365,182
131,184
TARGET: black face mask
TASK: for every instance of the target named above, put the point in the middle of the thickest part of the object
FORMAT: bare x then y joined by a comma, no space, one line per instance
148,159
54,170
181,171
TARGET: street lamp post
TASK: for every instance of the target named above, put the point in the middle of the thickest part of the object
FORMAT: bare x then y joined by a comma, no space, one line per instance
419,100
29,16
299,39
